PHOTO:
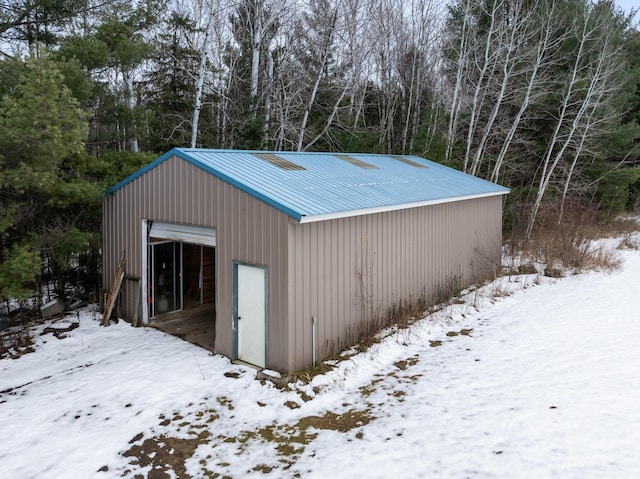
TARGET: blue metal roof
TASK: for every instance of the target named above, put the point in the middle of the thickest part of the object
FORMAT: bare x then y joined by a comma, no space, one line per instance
330,187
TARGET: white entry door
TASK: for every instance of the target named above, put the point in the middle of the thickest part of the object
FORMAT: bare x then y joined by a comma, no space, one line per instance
251,319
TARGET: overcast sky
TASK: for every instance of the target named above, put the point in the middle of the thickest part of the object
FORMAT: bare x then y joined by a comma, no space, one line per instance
627,5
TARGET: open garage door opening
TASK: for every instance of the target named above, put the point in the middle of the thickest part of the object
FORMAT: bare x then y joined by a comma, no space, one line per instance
181,282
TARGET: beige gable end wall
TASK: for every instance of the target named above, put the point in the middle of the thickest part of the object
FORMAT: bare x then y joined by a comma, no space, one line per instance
248,231
408,254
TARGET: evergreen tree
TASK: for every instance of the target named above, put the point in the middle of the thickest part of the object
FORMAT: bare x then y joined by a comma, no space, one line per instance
170,85
122,34
43,145
36,21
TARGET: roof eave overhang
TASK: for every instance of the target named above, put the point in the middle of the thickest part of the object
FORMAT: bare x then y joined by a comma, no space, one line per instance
401,206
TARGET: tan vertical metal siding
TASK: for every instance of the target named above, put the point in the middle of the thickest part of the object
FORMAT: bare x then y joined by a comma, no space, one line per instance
311,268
415,253
248,231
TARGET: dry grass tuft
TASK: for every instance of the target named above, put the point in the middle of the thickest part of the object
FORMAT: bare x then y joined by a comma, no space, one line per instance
621,226
498,290
306,375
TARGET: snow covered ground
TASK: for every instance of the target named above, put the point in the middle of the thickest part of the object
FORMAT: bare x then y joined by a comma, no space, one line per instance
541,382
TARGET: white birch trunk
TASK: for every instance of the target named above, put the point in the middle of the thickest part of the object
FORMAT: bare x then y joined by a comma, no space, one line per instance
455,102
603,84
324,56
483,78
198,93
268,98
256,43
131,104
329,121
533,84
507,70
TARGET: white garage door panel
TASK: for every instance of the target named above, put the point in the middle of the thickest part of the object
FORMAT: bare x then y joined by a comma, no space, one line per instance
183,233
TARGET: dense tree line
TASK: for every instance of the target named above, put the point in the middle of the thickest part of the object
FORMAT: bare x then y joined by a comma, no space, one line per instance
543,97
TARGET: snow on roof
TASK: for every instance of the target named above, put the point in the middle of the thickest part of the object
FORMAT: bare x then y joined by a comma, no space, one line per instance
318,186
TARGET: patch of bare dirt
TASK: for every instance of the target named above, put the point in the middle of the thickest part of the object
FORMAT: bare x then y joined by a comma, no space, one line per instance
337,422
405,363
165,454
290,440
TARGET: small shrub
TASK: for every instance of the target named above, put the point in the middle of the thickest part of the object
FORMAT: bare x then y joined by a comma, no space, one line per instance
567,241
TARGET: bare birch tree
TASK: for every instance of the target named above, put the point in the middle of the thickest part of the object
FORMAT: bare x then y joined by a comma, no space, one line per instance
459,45
386,36
535,68
260,18
592,74
512,38
486,59
356,51
322,22
208,12
420,56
